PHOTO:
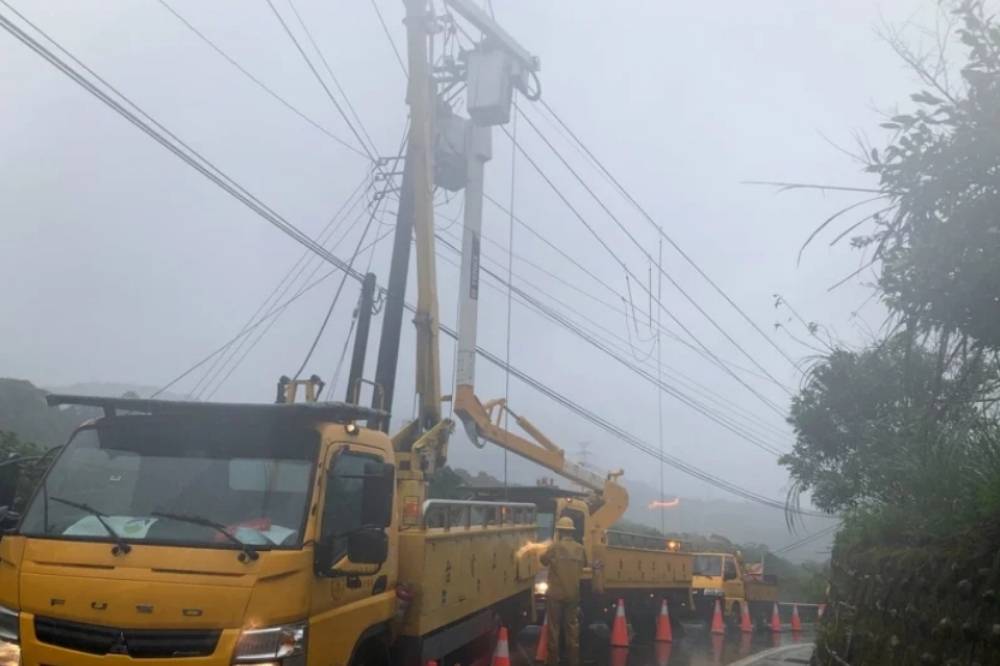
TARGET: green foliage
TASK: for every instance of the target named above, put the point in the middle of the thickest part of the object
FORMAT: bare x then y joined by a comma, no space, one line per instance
17,477
904,436
11,446
940,242
890,423
23,411
445,484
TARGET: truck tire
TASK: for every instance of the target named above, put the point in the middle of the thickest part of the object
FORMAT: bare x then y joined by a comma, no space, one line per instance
735,615
373,652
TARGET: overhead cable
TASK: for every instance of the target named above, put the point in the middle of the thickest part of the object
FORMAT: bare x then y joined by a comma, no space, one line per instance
663,234
212,173
260,84
604,243
600,202
603,283
340,109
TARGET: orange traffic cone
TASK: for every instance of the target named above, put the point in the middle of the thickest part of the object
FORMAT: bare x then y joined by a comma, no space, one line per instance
542,651
775,621
746,626
619,630
796,622
501,656
664,634
717,626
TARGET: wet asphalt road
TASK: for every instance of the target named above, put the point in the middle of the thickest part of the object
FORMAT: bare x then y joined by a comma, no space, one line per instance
696,647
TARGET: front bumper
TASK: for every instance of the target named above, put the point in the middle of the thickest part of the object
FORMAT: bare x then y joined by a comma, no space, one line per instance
35,652
703,601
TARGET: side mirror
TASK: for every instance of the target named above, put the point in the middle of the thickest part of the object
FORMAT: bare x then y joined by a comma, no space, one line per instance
8,519
368,546
10,473
376,496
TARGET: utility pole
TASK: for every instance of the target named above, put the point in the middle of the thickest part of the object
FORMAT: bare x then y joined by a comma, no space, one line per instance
365,305
395,300
419,96
416,213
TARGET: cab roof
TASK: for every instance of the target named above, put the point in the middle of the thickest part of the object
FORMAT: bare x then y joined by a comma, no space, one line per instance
338,412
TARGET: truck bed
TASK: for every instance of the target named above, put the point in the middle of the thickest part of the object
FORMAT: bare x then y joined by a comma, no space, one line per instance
633,567
761,590
466,564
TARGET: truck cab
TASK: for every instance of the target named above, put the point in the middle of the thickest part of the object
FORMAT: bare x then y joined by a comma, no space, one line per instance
723,577
173,533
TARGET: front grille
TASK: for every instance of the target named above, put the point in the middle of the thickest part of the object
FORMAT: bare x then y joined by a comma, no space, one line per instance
137,643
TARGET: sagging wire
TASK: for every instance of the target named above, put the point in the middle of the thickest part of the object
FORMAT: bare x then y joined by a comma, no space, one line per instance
510,275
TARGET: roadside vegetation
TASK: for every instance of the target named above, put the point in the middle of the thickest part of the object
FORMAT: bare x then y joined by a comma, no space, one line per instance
902,436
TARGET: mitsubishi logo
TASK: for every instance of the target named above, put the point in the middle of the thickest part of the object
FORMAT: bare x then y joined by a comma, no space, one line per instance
119,646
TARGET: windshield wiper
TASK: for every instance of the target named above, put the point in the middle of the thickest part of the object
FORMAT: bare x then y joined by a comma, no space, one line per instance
249,553
122,547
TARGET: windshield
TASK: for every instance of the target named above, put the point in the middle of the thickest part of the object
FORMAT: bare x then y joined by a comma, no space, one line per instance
156,480
707,565
546,521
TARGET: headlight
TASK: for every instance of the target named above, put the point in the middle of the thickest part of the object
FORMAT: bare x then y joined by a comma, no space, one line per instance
541,587
10,631
284,644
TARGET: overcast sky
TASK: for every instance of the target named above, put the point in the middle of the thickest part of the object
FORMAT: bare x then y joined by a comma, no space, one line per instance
122,264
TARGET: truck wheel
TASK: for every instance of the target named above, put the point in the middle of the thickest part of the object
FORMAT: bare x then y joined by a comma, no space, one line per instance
372,653
735,615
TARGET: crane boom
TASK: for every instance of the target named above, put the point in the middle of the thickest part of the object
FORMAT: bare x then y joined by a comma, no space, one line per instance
608,499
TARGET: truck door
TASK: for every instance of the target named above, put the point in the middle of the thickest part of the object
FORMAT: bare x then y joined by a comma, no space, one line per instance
732,583
349,599
341,515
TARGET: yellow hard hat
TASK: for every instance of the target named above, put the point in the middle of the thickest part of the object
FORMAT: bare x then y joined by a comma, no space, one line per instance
565,523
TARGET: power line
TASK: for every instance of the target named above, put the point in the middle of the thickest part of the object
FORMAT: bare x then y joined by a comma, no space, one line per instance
299,268
628,271
286,227
263,86
659,229
600,202
336,296
659,372
329,70
280,289
601,282
634,441
677,376
808,539
165,138
388,35
302,264
724,420
273,320
343,114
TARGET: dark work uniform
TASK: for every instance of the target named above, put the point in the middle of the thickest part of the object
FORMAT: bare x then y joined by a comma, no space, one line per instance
565,559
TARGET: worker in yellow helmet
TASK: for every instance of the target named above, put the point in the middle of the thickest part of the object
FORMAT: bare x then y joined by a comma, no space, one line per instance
565,559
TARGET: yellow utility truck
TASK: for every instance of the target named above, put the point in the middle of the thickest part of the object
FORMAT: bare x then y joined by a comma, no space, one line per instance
641,569
287,534
726,578
173,533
